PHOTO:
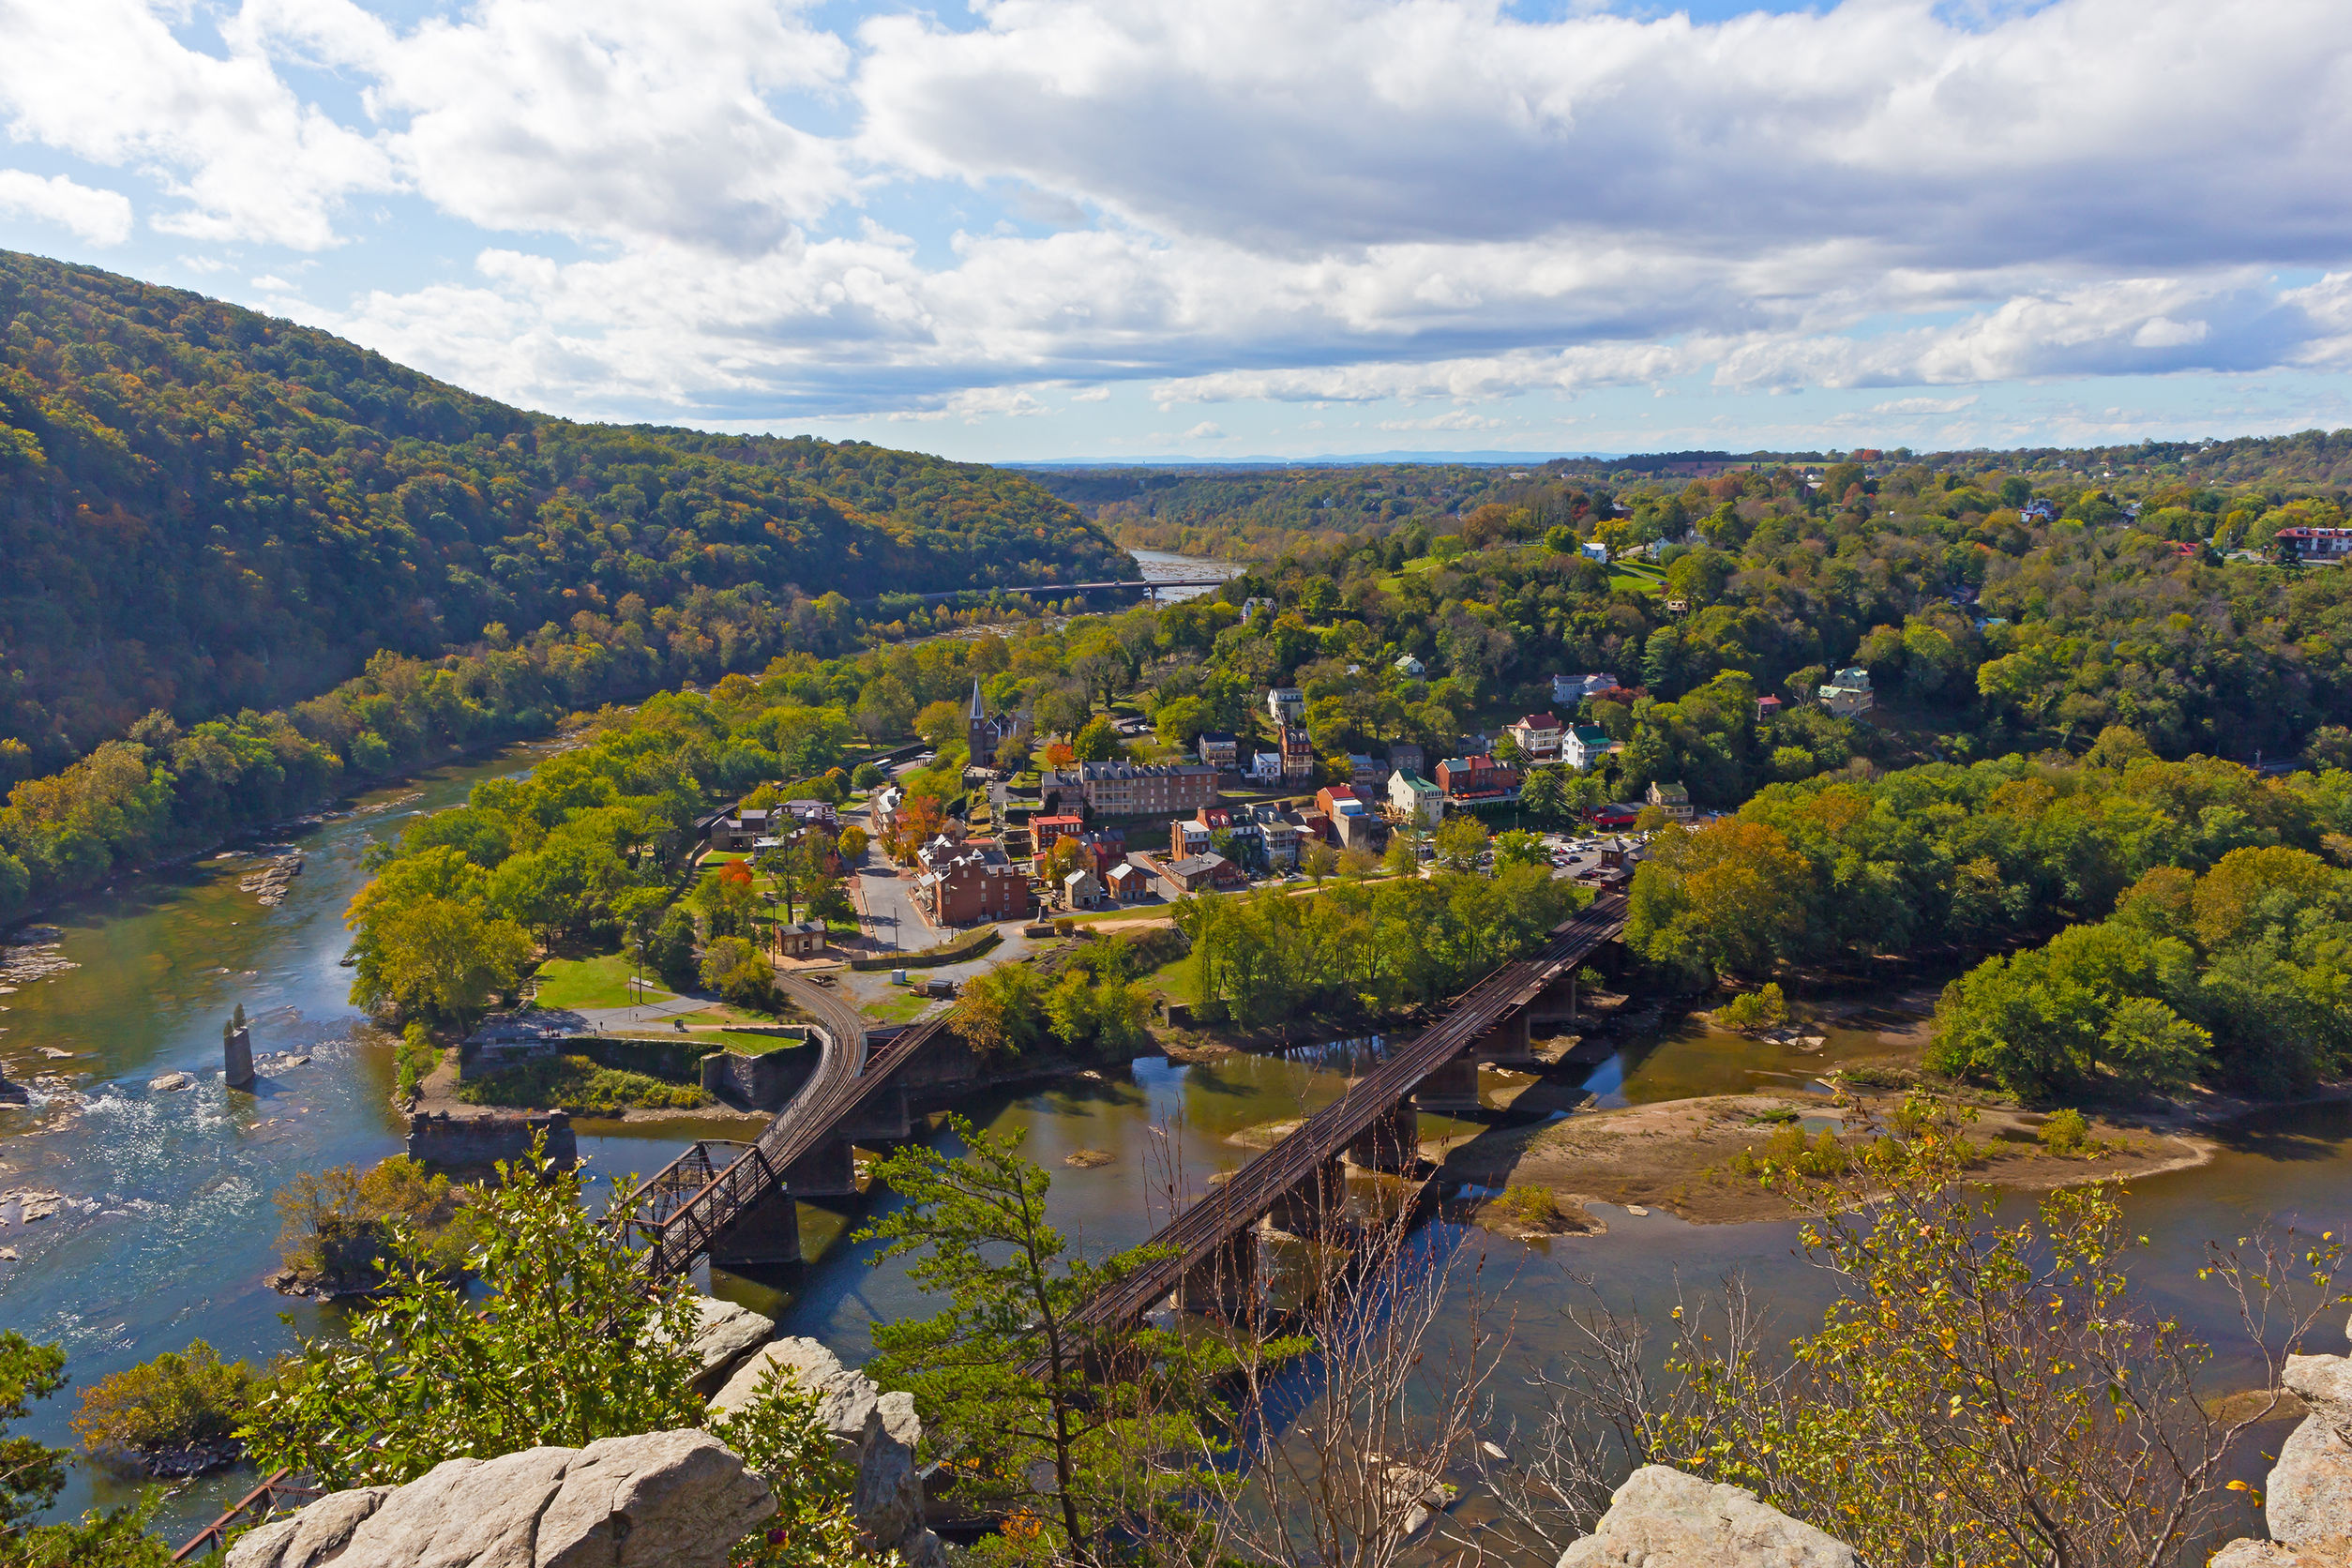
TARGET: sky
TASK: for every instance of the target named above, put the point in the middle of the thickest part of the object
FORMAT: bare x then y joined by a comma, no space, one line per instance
1155,230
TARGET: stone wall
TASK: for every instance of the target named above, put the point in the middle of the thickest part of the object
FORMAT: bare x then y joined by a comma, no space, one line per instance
441,1137
765,1081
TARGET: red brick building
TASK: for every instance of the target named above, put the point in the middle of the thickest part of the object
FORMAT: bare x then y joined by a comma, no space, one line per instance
971,883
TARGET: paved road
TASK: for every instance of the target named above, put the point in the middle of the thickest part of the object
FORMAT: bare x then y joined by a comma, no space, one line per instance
887,903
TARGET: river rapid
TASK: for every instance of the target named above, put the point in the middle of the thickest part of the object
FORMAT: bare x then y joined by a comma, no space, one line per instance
167,1228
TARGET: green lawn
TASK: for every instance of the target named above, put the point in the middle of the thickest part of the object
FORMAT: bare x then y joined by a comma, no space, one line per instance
598,982
897,1009
738,1040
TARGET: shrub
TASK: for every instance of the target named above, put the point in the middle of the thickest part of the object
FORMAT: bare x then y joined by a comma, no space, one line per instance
340,1224
741,972
1764,1008
1532,1205
866,775
182,1397
2066,1133
416,1056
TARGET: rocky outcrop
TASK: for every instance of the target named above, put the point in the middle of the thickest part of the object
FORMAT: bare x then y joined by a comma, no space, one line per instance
875,1430
725,1333
665,1499
2307,1501
1662,1518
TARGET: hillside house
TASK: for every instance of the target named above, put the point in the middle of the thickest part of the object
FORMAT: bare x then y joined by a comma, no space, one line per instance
1406,756
1477,780
1414,800
1411,668
1188,839
1537,734
1584,745
1848,692
1127,881
1220,749
1286,704
1298,755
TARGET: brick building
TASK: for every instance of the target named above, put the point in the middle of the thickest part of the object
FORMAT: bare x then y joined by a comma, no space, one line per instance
969,883
1129,789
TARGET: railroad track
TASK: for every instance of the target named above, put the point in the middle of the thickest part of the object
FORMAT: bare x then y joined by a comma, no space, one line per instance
1195,1235
691,1201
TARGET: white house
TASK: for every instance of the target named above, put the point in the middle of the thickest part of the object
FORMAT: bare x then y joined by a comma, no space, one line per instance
1848,692
1593,550
1415,800
1538,734
1411,668
1583,746
1570,689
1286,703
1265,767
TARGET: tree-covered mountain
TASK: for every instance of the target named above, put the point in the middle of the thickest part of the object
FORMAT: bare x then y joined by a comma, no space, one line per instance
204,509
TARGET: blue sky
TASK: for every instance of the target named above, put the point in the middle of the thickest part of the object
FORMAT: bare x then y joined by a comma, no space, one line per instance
1040,229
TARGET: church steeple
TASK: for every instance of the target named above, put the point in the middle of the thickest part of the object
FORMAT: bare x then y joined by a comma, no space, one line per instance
978,710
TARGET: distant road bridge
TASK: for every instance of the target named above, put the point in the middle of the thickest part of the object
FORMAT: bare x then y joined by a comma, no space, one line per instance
735,1203
1151,587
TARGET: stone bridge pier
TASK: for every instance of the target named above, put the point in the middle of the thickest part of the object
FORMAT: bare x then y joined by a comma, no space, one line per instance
1315,1209
1225,1283
1392,1143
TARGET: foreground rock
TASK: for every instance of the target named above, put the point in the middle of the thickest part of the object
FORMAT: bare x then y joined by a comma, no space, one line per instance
2307,1502
1662,1518
876,1431
666,1499
724,1334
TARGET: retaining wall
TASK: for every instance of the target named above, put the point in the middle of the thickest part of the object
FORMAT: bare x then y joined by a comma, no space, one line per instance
439,1138
765,1082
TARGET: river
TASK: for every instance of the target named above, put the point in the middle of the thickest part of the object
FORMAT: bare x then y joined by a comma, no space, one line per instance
168,1230
1161,566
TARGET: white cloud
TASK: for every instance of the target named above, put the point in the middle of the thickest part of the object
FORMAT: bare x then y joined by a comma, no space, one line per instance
1204,431
225,136
1924,405
743,211
598,118
100,216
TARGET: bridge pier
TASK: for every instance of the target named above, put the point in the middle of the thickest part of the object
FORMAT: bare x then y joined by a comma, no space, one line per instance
766,1232
1313,1209
1453,1083
1390,1143
1225,1283
1508,1041
828,1170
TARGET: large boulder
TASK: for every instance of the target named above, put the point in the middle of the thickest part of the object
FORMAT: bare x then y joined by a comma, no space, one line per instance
724,1334
878,1432
663,1500
2307,1502
1662,1518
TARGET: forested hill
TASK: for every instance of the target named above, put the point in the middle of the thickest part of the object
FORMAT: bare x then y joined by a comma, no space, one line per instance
204,509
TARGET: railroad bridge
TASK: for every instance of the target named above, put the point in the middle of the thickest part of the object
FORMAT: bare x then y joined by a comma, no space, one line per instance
734,1202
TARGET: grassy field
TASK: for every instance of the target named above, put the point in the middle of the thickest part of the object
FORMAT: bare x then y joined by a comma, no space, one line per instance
598,982
903,1008
580,1086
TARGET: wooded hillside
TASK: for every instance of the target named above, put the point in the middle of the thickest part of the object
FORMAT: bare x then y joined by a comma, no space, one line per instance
204,509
